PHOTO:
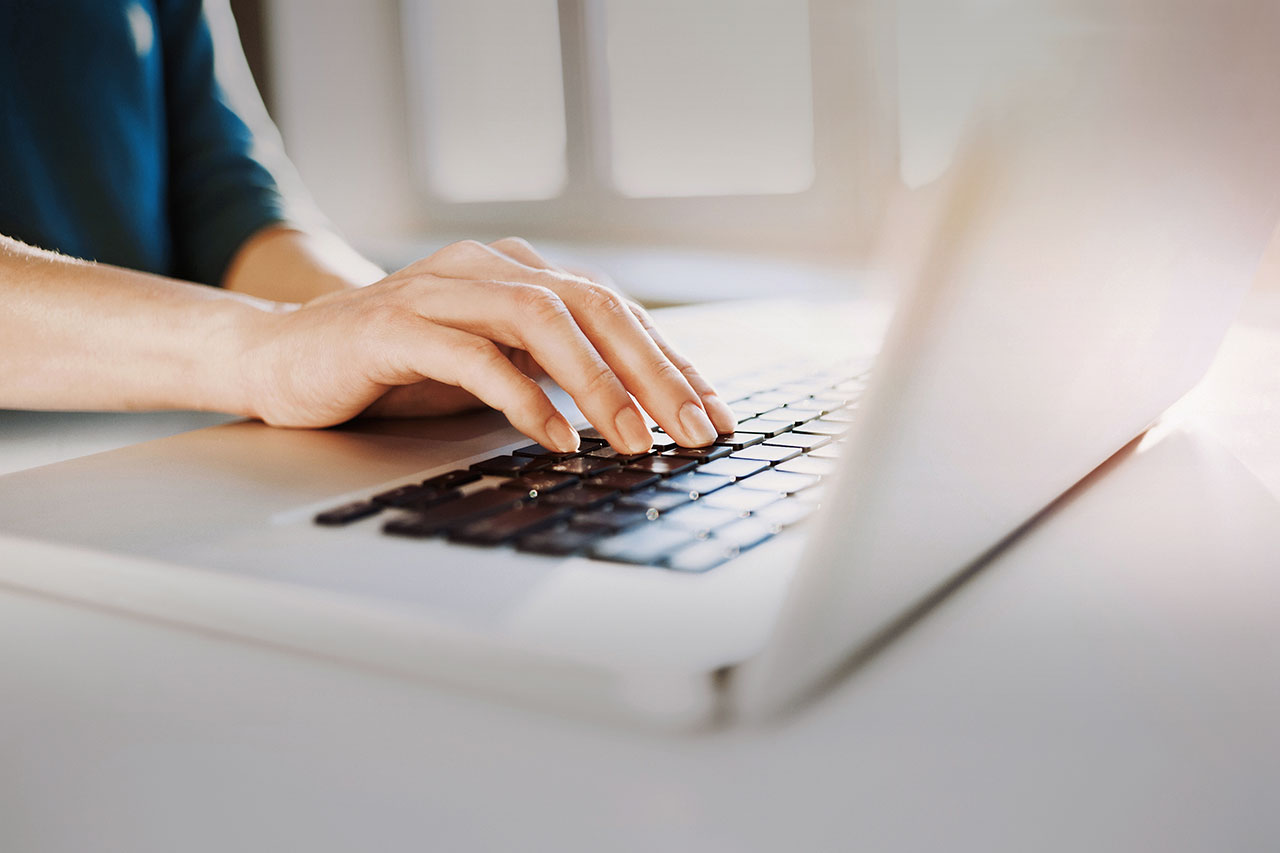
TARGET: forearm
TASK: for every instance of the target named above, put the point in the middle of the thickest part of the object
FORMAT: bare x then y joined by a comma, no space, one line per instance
77,335
283,264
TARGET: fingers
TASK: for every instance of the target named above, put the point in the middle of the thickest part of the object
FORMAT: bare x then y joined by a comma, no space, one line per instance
537,321
722,417
478,367
609,324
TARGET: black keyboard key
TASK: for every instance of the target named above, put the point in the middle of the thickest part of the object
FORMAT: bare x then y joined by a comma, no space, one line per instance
662,442
348,513
696,484
767,428
540,483
623,481
405,495
700,454
607,452
439,519
612,519
795,439
659,500
583,466
452,479
592,436
560,541
734,469
768,453
645,546
739,440
537,451
581,497
505,526
700,557
663,466
508,466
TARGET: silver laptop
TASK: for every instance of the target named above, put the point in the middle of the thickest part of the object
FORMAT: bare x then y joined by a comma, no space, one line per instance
1068,278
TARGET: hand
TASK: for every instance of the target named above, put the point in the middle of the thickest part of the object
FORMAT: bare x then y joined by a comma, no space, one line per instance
472,324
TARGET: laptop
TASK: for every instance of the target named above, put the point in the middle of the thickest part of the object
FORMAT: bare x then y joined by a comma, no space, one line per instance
1069,277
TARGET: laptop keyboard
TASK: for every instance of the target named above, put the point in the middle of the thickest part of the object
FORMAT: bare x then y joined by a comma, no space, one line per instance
685,509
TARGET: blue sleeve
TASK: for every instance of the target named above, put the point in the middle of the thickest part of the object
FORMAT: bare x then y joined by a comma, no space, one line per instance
220,193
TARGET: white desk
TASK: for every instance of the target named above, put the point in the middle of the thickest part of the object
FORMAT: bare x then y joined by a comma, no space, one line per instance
1112,682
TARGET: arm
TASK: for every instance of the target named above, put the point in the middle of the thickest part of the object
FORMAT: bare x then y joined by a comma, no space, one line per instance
445,333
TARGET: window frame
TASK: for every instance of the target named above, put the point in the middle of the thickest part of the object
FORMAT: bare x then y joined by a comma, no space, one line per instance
855,154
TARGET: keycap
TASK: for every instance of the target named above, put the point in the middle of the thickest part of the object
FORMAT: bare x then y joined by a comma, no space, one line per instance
583,466
591,435
735,469
608,452
537,451
831,402
613,519
452,479
581,497
767,428
795,414
700,454
507,466
823,427
795,439
663,466
560,541
696,484
739,499
348,513
809,464
406,495
496,529
700,519
438,519
780,482
662,442
700,557
540,483
843,415
744,534
739,440
768,453
783,514
623,481
827,451
644,546
658,500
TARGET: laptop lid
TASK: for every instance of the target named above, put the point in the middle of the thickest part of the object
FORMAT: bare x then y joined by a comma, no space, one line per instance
1095,237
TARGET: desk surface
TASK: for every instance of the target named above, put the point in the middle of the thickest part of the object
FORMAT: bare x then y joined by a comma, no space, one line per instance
1110,682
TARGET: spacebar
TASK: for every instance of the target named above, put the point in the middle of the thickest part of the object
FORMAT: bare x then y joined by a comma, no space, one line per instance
438,519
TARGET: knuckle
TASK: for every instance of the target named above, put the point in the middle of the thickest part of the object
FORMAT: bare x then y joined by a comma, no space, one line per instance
540,304
463,250
599,378
513,243
600,299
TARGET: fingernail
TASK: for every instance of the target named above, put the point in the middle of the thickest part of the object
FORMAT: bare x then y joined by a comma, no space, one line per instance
696,424
563,437
634,435
721,415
